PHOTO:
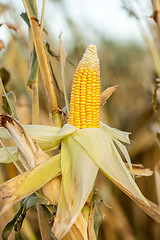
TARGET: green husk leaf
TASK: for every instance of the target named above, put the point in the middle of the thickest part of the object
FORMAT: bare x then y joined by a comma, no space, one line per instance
78,175
47,137
115,133
123,149
5,158
108,159
102,150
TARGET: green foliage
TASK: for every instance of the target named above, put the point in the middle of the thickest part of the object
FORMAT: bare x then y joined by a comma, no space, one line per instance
9,104
18,219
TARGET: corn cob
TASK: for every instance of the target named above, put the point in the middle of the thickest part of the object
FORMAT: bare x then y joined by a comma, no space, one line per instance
85,94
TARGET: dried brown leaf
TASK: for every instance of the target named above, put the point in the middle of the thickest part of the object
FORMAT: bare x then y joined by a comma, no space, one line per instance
154,97
43,223
139,170
29,149
107,93
44,65
79,229
157,178
91,233
63,54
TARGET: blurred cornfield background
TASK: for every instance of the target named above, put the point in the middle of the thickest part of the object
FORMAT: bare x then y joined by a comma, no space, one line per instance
127,64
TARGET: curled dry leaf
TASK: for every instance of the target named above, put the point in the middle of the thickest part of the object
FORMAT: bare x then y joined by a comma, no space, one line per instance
139,170
29,149
107,93
1,45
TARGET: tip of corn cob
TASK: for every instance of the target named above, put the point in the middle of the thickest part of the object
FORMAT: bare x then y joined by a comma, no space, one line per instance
85,94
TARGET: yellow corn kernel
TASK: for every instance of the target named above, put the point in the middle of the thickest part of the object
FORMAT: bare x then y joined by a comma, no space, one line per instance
85,94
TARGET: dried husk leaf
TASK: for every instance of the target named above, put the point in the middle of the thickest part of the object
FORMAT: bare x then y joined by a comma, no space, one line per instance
63,56
91,232
30,150
152,209
78,230
140,171
51,190
43,223
107,93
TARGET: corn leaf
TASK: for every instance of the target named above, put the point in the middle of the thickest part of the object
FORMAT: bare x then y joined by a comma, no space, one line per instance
17,221
25,184
34,68
25,18
9,104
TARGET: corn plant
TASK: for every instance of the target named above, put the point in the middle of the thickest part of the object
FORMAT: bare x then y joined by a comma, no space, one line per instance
64,182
